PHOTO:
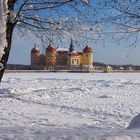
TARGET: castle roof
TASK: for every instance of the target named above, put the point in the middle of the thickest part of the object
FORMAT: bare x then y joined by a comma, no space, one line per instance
87,49
51,49
35,50
73,53
62,49
80,53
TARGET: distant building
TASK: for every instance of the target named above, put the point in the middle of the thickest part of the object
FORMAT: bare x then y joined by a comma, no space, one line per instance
108,69
130,68
121,68
62,58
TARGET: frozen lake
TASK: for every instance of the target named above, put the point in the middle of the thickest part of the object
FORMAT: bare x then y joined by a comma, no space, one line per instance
69,106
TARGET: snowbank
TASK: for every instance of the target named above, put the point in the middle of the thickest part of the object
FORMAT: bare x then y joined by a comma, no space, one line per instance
64,134
135,122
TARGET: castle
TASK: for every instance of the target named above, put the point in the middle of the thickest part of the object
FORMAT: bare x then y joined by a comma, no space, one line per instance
62,58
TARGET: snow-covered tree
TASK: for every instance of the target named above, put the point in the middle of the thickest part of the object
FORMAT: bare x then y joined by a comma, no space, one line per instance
41,18
6,30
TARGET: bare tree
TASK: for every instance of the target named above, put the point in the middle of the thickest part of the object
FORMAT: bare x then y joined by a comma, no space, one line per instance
121,18
42,18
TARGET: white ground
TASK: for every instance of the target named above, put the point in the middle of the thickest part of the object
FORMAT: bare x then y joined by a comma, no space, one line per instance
70,106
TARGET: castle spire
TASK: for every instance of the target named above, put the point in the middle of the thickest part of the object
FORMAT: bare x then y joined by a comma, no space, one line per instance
35,45
71,46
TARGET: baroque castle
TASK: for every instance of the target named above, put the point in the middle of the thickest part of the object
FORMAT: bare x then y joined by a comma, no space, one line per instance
62,58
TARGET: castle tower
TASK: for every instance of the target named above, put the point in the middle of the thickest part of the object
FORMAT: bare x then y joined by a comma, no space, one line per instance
71,46
87,56
50,56
35,55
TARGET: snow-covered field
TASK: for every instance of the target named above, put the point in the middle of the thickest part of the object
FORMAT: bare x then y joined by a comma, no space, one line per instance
70,106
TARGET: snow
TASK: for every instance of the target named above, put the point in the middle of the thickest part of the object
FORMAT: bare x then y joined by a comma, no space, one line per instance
62,49
12,16
135,122
70,106
3,18
85,1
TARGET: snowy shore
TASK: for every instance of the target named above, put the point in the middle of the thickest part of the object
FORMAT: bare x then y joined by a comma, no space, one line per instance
69,106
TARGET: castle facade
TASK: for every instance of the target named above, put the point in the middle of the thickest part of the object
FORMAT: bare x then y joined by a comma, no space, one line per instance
62,58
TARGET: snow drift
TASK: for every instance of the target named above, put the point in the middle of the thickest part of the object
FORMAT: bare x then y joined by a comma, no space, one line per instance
135,122
70,106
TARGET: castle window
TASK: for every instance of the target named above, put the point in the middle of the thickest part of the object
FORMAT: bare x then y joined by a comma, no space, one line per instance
72,61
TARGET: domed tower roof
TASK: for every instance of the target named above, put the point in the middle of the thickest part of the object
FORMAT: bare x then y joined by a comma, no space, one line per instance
35,50
51,49
87,49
